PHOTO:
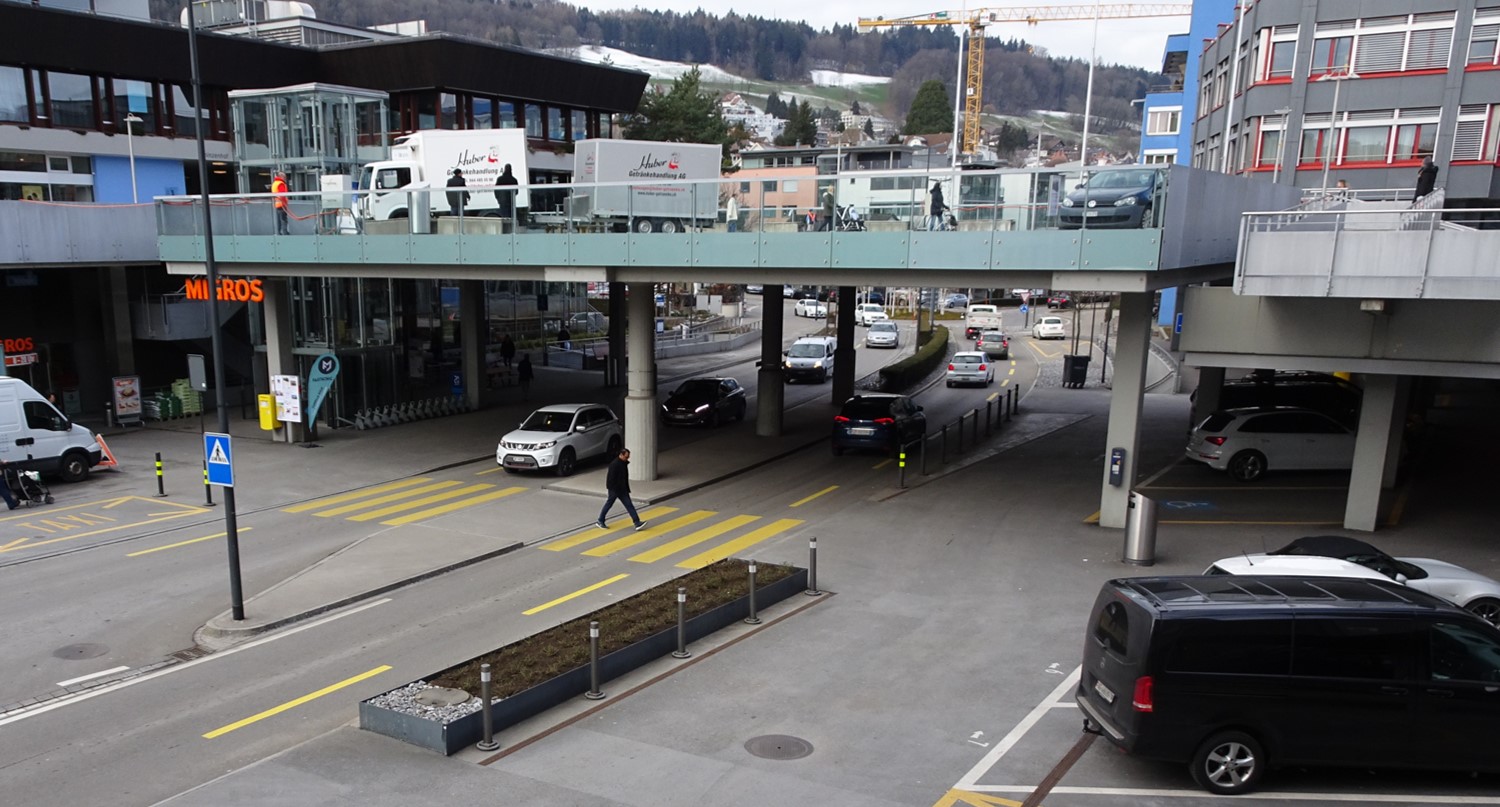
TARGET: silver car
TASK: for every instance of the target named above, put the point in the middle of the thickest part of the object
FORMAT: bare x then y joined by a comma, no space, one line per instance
970,367
883,333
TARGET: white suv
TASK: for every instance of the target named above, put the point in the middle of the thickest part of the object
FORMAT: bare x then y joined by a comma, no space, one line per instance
559,436
864,313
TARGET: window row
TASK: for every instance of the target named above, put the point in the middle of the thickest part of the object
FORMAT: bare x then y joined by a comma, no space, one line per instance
431,109
52,98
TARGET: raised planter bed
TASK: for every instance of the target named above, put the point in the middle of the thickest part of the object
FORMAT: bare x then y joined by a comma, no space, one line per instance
449,736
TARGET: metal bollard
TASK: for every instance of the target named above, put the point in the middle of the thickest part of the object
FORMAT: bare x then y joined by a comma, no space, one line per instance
989,416
944,455
681,651
488,743
161,482
812,568
594,693
1010,399
752,619
208,491
961,432
901,468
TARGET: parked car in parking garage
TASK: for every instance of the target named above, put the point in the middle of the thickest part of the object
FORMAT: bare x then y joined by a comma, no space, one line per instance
1060,299
883,333
878,420
1249,442
808,307
970,367
956,300
1048,328
705,402
1340,556
994,344
1322,392
559,436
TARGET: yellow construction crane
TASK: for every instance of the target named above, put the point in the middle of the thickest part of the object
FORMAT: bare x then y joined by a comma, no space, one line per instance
978,18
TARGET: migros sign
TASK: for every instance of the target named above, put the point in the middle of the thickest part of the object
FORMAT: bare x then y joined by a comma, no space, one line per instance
230,289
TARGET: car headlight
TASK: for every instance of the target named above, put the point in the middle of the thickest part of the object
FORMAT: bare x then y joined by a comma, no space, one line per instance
818,365
664,409
1128,201
1066,202
548,444
787,364
701,409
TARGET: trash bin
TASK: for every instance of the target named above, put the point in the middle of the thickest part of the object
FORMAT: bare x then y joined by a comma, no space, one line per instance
1075,370
1140,530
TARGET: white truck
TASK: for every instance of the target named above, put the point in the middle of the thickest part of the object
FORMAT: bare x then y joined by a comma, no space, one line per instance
425,160
36,437
670,203
981,318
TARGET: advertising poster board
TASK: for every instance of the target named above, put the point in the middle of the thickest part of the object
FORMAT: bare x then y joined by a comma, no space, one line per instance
127,396
287,390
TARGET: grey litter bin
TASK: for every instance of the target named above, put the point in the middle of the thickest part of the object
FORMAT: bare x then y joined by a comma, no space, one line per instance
1140,530
1075,370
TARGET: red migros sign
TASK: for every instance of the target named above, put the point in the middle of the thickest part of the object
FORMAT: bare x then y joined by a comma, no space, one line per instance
230,289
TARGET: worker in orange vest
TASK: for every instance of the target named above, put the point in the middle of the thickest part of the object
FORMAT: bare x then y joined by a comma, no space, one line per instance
279,189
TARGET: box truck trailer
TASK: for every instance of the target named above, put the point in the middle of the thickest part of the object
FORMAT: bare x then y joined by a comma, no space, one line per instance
669,201
427,159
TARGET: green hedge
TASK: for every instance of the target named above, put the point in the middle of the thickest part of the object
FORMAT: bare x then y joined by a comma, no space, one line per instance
912,369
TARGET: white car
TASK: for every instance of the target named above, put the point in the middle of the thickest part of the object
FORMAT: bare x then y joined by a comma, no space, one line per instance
1248,442
864,311
809,308
1048,328
883,333
970,367
1338,556
560,436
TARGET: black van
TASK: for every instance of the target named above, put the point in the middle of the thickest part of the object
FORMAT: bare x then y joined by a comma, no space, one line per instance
1234,674
1320,392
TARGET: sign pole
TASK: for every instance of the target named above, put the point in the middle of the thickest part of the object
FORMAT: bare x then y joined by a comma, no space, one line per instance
231,530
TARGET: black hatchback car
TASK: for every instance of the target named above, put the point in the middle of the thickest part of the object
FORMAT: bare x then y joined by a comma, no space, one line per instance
878,420
705,402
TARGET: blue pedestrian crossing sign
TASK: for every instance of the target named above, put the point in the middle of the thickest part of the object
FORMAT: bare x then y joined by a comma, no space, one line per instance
219,458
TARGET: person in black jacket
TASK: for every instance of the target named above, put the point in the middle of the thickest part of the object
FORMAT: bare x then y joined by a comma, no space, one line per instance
505,193
10,501
459,199
1426,178
617,482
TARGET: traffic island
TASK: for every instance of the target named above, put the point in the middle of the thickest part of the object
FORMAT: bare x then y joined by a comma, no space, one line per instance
442,712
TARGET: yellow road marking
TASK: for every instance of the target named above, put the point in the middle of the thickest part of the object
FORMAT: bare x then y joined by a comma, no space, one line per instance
632,538
14,543
594,532
1006,381
448,508
749,539
389,497
494,470
117,502
1093,519
579,593
993,396
105,504
881,464
358,494
956,796
800,502
240,531
1012,371
276,710
410,503
693,539
115,528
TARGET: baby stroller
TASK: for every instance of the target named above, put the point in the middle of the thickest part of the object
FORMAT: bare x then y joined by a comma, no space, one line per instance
849,220
27,487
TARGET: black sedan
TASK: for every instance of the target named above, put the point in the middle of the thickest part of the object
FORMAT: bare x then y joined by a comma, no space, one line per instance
879,421
704,401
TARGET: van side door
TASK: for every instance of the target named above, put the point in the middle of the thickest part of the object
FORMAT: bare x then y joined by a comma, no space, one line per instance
1459,701
46,436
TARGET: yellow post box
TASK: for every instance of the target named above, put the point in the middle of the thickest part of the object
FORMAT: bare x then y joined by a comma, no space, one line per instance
267,406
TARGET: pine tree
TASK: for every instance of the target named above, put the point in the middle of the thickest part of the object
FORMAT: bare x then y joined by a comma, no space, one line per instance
930,111
870,128
775,107
684,114
854,107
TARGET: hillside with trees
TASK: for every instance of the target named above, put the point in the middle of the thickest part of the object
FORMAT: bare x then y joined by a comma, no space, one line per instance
1016,80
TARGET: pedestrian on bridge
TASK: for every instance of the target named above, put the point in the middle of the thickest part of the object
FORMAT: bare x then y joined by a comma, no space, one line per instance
617,483
507,349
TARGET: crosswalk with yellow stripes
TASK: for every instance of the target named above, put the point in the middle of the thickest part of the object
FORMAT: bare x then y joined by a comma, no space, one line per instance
702,523
403,502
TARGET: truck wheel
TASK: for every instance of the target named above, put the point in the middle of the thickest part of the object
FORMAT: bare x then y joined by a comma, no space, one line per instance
671,226
398,214
74,467
645,226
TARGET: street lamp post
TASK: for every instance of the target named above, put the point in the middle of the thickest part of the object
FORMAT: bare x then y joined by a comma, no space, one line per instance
1281,145
130,121
1338,77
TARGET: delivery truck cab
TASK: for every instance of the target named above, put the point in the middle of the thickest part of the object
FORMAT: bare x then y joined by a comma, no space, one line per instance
413,181
36,437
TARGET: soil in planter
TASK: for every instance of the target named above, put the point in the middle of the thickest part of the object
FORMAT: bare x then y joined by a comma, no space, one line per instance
546,655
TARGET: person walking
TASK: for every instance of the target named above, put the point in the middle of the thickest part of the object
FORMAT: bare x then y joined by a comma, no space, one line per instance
279,200
617,483
935,207
1426,178
524,374
507,349
10,501
564,338
506,198
732,214
459,199
828,211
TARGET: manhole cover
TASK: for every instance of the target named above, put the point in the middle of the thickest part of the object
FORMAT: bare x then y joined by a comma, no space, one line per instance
441,696
80,651
778,746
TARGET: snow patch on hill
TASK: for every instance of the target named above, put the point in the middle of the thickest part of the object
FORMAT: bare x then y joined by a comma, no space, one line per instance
833,78
658,68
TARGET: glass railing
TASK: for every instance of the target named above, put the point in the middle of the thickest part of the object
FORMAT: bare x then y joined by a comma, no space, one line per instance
1115,197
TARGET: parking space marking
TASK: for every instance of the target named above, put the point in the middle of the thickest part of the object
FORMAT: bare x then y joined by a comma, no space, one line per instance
877,466
800,502
91,676
241,531
62,525
956,796
970,779
579,593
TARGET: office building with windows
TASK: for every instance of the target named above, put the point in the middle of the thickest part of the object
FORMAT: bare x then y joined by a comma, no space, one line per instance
1166,127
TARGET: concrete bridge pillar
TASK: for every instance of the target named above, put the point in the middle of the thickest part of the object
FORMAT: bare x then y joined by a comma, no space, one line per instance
279,340
474,337
614,366
770,386
1377,449
640,391
843,354
1132,348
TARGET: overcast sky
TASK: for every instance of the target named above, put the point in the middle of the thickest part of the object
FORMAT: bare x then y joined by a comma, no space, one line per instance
1138,43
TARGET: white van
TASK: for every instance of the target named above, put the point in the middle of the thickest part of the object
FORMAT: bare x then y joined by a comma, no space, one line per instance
36,437
865,313
810,357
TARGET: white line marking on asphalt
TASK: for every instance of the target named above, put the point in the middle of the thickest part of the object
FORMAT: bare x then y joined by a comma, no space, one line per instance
80,679
1259,795
18,716
1015,735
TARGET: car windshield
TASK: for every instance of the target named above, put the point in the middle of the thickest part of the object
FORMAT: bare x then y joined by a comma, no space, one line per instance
1120,179
544,421
883,326
962,359
698,386
867,408
806,351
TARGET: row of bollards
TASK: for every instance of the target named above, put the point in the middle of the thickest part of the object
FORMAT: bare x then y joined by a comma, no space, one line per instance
161,483
595,692
993,417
